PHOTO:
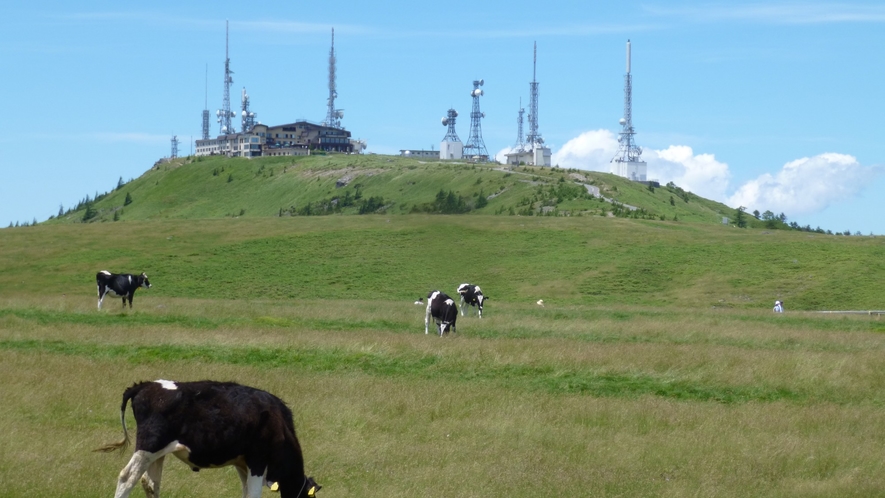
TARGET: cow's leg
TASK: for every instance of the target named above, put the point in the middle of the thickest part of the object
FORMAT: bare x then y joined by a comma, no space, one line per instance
132,472
150,481
129,296
100,299
462,305
253,485
427,318
243,473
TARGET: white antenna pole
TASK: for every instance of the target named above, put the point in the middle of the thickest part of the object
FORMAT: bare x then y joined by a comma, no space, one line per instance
628,56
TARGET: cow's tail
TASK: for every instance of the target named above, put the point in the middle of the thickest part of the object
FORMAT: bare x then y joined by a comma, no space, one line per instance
124,443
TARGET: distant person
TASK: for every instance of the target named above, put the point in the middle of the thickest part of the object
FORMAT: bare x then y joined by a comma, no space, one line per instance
778,307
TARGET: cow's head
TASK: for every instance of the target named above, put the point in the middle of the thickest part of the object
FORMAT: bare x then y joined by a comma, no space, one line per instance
143,281
308,489
312,487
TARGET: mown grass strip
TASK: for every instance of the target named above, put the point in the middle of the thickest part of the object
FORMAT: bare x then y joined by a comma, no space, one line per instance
550,379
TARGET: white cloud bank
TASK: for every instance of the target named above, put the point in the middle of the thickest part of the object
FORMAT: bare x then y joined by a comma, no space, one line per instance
803,186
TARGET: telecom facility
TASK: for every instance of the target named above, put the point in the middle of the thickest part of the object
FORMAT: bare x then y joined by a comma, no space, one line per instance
293,139
533,151
628,162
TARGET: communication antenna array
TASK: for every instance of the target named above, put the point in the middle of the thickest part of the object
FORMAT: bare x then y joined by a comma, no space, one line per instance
333,116
206,108
174,147
475,147
534,139
248,116
628,151
520,141
449,120
224,114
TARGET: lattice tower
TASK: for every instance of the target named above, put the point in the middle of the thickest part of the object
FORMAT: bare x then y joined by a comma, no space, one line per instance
520,141
333,116
225,114
628,151
475,147
248,117
449,120
534,138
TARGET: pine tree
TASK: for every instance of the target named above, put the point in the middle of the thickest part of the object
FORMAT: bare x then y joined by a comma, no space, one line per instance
128,199
120,183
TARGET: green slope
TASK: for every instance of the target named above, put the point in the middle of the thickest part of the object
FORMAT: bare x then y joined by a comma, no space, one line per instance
565,261
213,187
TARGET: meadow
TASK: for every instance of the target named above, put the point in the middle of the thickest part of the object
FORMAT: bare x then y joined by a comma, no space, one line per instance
655,368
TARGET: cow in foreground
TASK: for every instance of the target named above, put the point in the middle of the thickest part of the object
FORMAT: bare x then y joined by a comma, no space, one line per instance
471,295
119,285
210,424
442,309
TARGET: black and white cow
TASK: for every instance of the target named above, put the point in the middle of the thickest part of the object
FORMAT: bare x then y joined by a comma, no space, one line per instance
210,424
442,309
472,296
119,285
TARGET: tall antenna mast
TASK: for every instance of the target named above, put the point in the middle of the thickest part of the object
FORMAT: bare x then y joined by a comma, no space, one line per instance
520,141
206,108
475,145
174,147
333,116
225,114
534,139
628,151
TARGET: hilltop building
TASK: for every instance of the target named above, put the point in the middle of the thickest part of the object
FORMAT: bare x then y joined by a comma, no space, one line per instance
294,139
420,154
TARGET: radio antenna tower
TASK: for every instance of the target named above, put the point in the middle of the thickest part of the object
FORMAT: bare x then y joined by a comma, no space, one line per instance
520,141
248,116
206,108
449,120
475,147
628,162
174,146
225,114
333,116
628,151
534,139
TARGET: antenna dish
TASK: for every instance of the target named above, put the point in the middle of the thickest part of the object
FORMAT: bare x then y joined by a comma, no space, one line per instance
483,114
622,121
481,82
445,121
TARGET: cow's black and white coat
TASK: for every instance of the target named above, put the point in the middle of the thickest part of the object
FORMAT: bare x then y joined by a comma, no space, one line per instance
443,310
471,295
119,285
210,424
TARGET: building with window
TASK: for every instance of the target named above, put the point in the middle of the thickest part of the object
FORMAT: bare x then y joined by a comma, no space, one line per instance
294,139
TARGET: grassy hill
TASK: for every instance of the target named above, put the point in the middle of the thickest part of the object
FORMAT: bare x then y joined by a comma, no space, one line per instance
213,187
588,260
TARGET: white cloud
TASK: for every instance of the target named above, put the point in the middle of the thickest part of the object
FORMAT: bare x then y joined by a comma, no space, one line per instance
591,150
701,174
801,187
806,185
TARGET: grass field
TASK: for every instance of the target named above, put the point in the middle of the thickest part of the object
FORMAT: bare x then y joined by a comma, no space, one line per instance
656,367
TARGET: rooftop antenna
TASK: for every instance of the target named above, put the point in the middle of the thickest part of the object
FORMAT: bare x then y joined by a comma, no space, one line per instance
449,120
206,108
248,116
534,139
475,147
333,116
520,141
225,114
628,151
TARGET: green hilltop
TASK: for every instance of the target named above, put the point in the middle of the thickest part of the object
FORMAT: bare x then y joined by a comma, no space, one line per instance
215,187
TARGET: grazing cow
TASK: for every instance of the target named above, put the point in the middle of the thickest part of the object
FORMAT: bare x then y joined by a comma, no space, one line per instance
443,310
472,296
119,285
210,424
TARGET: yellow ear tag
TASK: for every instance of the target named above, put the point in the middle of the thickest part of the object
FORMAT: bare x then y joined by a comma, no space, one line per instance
275,487
312,491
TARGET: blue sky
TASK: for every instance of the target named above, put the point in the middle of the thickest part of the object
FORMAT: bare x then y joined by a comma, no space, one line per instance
774,106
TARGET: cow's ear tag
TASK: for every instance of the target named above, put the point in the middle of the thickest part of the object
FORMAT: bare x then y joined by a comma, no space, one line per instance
312,491
275,487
